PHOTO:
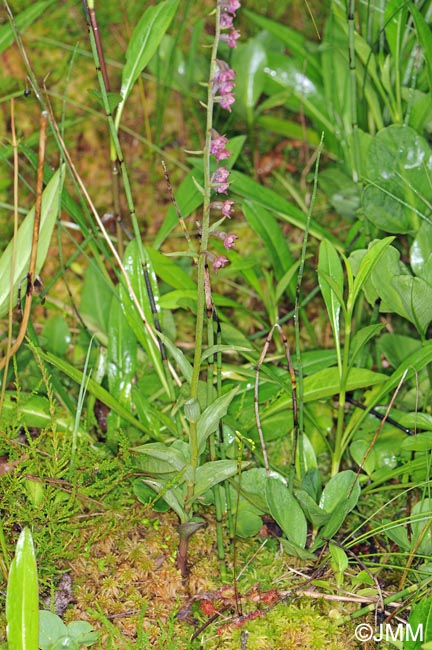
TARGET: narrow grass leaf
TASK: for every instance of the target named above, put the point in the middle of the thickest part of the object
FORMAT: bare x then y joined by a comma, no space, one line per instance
22,20
424,35
94,388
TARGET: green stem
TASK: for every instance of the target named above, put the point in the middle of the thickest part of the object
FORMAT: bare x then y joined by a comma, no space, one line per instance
338,449
205,227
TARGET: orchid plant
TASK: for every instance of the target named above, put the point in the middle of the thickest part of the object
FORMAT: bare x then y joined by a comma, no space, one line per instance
191,478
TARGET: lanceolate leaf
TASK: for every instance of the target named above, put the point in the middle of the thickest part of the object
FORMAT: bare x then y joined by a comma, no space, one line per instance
22,600
214,472
50,205
286,510
330,271
145,39
209,419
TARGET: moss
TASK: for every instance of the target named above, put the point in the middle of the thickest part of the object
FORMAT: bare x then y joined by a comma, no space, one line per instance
298,625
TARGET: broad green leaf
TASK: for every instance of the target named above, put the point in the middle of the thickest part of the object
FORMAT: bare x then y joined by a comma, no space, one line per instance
210,418
342,488
57,335
214,472
316,386
316,515
114,99
248,521
337,92
143,43
51,628
22,598
361,337
82,632
286,511
400,292
420,442
339,497
286,280
248,61
421,614
297,551
421,519
171,457
22,20
146,495
416,297
421,253
49,213
172,496
96,296
367,265
339,558
252,488
121,352
34,411
305,89
364,455
398,188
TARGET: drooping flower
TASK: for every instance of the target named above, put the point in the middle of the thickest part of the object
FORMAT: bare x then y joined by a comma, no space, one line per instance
217,146
230,240
226,101
231,38
223,81
219,180
229,6
224,206
223,84
220,262
226,21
